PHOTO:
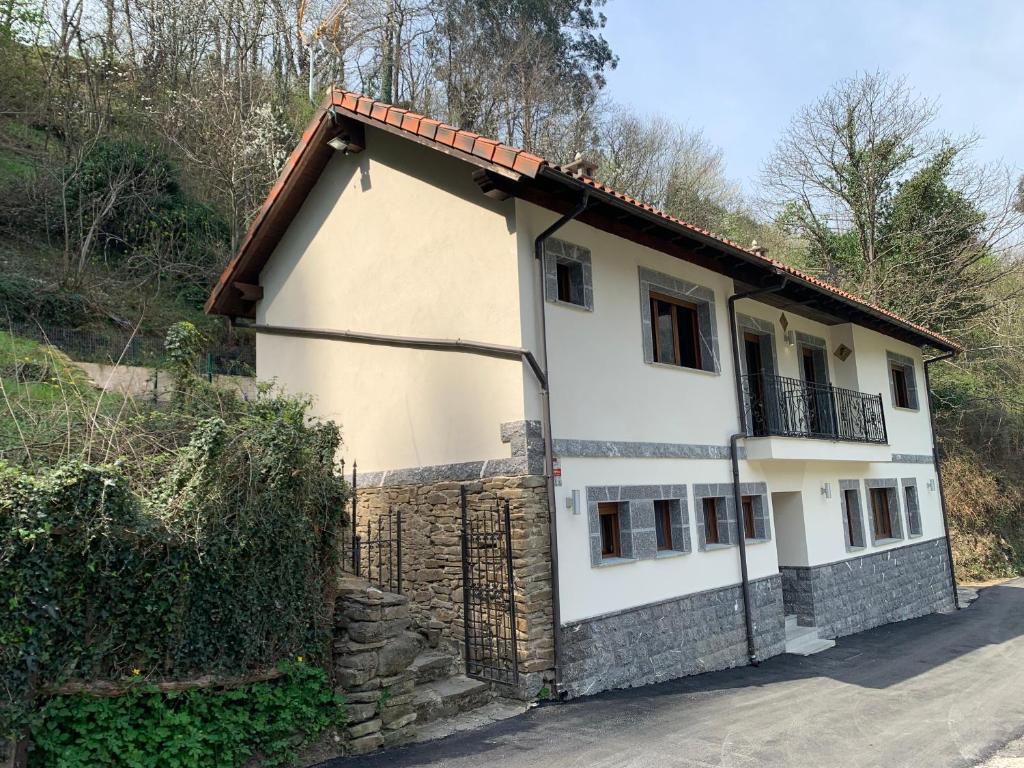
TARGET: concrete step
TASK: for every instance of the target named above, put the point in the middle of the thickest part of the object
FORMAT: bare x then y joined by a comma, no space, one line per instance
797,633
808,645
499,709
433,665
449,696
791,621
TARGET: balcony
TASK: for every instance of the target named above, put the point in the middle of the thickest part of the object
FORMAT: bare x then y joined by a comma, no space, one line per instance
778,406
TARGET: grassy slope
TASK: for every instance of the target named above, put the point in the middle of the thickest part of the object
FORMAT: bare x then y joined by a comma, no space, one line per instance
108,295
36,384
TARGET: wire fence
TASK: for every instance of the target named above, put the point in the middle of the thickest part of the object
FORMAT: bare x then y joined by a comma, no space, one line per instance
125,348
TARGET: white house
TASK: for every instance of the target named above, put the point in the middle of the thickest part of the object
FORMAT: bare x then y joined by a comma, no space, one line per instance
670,387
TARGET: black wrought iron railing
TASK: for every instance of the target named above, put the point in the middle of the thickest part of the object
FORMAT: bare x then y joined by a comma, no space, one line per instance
786,407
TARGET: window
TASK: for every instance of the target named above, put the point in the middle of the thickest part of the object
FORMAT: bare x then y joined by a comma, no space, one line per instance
608,513
663,524
569,276
852,499
881,513
899,387
853,519
711,520
913,508
748,517
902,381
675,331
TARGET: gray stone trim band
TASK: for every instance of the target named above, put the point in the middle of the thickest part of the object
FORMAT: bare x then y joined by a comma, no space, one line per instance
525,439
624,449
686,291
559,251
913,458
809,340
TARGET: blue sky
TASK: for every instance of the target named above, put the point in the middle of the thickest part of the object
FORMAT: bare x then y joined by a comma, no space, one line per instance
739,69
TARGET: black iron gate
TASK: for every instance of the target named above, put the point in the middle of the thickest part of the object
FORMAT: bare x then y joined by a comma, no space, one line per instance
489,605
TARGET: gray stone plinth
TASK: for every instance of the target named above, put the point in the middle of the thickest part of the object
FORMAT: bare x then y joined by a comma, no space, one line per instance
863,592
683,636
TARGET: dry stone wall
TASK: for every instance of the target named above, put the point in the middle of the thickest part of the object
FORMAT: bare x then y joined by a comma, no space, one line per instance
373,649
432,559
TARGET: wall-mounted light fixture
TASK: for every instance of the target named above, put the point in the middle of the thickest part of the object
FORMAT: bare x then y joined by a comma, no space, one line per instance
931,485
790,338
826,490
573,503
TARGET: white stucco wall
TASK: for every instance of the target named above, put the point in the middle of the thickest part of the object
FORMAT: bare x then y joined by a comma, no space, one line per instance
603,390
399,240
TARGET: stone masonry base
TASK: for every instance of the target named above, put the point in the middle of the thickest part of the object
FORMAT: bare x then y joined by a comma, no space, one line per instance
682,636
855,595
432,560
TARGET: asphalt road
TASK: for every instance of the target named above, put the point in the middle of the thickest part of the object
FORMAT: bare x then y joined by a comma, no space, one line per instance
944,690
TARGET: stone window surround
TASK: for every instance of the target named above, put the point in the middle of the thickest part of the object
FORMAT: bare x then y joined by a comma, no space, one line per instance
683,290
852,485
727,521
911,482
755,325
636,521
907,363
559,251
895,509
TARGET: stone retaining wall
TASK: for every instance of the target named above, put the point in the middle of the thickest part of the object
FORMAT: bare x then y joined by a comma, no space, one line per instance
373,649
432,559
673,638
854,595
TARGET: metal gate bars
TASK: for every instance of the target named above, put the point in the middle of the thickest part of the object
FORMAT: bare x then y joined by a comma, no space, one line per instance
488,595
374,549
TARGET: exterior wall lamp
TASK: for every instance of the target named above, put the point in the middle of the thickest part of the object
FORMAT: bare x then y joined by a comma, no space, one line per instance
826,490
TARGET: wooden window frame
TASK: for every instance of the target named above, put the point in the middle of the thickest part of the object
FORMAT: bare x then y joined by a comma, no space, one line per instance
612,510
676,305
884,531
564,271
749,517
663,511
900,385
709,508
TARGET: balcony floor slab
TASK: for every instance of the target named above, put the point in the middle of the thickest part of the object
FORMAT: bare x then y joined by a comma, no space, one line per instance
811,449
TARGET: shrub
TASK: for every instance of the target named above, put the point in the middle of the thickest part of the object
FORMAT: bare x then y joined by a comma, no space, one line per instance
23,299
207,545
196,728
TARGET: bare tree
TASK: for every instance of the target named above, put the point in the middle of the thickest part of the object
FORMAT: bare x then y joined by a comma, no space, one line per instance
891,207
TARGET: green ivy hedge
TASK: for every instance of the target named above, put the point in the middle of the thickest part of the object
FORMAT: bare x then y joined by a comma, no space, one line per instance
193,729
214,555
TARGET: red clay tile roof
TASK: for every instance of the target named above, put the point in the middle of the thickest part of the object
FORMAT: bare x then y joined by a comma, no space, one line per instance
480,149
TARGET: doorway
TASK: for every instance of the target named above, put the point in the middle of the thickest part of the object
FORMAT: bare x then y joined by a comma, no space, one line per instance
757,384
818,405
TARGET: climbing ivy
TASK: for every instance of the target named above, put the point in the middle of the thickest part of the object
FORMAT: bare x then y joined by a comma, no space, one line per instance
192,729
211,558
